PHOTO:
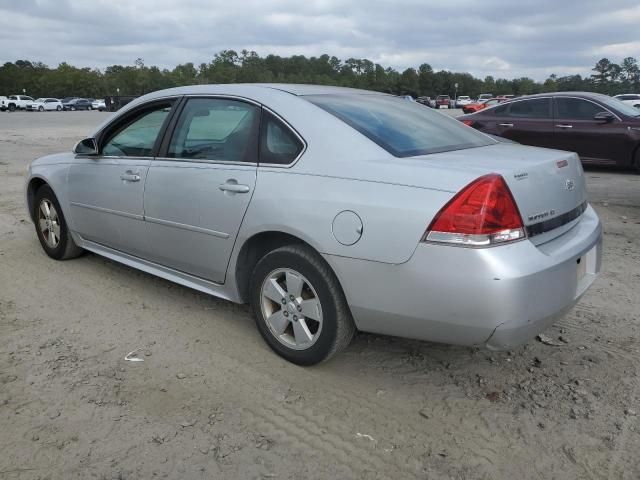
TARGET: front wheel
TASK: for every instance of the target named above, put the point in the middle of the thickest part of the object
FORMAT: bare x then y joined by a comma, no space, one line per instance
299,306
89,107
12,108
73,109
41,109
51,226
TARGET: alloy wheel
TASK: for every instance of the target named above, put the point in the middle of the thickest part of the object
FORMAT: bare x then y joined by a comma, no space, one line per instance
49,223
291,308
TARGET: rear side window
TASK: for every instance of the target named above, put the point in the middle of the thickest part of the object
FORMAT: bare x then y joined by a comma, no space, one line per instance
404,129
278,144
577,109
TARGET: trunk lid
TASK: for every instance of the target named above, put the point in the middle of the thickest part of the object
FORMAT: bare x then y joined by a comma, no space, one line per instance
547,185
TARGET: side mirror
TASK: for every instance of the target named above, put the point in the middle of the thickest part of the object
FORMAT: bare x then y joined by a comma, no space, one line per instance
604,117
88,146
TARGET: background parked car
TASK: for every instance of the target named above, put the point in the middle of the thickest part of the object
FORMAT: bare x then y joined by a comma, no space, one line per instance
600,129
18,102
77,104
463,100
98,105
484,96
443,101
42,104
481,104
427,101
632,99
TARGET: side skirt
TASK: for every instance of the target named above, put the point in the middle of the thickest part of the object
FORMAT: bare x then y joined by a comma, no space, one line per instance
176,276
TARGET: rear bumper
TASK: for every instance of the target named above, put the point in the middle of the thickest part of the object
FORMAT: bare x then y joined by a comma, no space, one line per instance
498,297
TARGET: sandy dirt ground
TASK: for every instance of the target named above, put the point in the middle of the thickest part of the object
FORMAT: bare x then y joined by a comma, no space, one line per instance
211,400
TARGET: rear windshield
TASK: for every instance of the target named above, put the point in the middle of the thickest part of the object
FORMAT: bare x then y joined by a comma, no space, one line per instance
404,129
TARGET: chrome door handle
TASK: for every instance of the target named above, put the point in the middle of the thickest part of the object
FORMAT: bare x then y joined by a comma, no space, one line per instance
564,126
130,177
234,188
506,124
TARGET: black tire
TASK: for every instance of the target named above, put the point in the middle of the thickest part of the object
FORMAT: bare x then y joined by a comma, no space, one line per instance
73,109
12,107
338,327
636,161
66,247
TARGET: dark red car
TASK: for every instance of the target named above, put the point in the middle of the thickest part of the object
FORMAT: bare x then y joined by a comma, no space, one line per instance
601,129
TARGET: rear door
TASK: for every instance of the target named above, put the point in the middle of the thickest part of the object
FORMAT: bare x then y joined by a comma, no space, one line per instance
595,141
529,122
106,191
200,186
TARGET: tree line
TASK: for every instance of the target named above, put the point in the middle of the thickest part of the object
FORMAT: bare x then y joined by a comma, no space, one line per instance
229,66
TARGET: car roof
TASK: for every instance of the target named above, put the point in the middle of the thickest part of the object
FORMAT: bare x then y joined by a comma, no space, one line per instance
588,95
292,88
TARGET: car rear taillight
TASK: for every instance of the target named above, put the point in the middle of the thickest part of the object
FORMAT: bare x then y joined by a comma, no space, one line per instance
483,213
468,123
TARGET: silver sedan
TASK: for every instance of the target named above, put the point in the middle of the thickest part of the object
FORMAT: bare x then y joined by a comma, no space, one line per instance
329,210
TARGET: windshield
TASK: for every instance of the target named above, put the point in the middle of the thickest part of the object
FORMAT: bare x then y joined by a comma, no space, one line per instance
620,106
404,129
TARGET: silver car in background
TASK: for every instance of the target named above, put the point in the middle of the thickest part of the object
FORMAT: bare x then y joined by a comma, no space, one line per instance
329,210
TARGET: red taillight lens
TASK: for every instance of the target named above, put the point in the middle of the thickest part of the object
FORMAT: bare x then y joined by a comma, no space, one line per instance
483,213
468,123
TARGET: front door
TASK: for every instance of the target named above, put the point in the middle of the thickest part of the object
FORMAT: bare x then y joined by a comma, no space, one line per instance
106,191
198,192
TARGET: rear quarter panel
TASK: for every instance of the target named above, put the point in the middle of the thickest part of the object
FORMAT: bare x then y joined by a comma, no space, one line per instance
394,217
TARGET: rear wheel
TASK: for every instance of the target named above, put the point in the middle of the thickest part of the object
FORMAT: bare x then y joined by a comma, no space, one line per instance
12,107
58,108
51,226
73,109
299,307
89,107
41,109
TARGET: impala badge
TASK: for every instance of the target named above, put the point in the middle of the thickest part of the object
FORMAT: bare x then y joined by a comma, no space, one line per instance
570,184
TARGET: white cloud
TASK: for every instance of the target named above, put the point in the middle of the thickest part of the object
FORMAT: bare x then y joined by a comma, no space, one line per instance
618,50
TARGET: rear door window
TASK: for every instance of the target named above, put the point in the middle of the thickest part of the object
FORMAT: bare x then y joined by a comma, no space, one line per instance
216,129
534,108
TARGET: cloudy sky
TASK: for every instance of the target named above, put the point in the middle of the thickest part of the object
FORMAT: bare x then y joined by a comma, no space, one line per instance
507,38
